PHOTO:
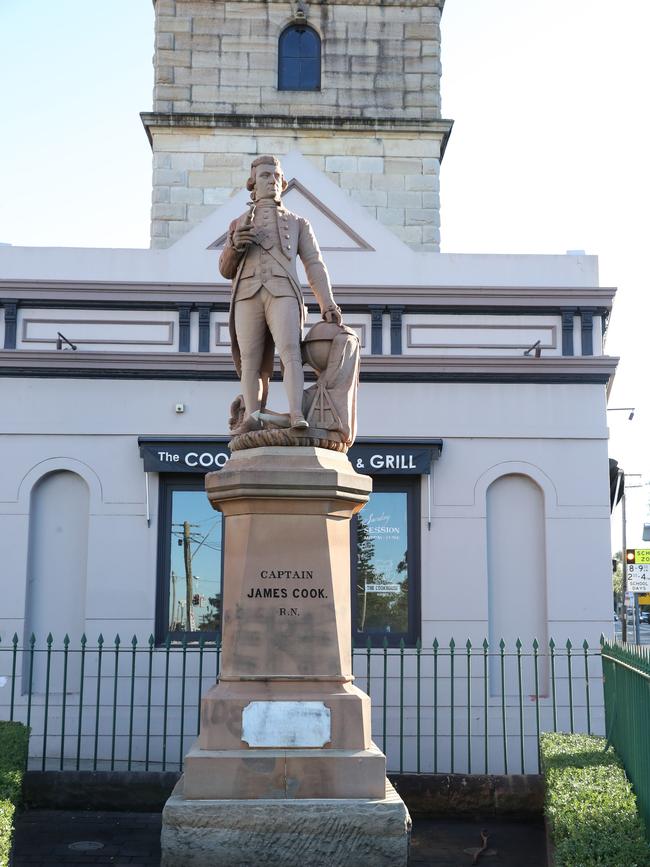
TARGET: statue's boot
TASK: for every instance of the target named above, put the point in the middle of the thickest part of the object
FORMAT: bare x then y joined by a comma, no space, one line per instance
298,421
249,424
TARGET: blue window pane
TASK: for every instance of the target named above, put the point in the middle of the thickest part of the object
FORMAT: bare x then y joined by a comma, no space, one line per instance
195,564
299,59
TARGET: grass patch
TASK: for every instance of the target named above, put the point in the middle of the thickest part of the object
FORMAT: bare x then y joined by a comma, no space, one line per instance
14,738
590,805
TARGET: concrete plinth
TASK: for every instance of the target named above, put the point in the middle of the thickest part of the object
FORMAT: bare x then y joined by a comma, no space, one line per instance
285,833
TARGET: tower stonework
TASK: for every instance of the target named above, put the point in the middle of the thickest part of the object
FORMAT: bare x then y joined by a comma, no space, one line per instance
374,126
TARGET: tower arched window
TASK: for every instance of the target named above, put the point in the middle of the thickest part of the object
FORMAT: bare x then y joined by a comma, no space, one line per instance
299,58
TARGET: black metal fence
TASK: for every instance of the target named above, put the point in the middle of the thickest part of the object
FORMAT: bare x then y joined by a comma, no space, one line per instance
456,708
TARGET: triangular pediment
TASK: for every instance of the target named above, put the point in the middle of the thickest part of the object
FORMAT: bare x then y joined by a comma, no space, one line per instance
332,232
356,247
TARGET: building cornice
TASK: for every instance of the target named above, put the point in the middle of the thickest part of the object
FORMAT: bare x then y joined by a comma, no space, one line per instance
404,368
435,3
438,128
415,299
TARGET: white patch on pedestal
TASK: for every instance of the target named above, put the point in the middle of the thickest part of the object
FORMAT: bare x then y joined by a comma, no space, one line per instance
286,724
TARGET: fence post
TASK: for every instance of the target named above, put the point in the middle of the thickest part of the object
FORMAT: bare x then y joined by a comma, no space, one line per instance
504,730
48,664
452,647
569,672
82,666
100,648
30,683
551,645
149,674
66,643
536,668
486,647
518,646
585,647
14,657
134,645
469,706
418,658
435,705
385,646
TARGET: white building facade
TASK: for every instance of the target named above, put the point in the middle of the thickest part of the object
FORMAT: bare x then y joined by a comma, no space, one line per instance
482,398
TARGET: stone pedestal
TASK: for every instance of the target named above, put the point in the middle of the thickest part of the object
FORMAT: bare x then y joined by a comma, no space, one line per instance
321,832
284,763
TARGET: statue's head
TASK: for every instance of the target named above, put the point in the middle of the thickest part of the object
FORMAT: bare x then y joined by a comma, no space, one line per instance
266,180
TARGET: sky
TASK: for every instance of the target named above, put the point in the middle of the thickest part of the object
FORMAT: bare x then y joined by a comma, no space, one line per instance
548,153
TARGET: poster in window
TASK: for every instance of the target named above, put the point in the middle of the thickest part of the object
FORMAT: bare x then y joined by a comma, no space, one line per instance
382,565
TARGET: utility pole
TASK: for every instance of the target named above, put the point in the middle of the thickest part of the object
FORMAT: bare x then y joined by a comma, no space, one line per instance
172,604
187,556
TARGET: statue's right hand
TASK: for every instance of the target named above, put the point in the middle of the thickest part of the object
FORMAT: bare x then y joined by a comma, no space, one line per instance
243,236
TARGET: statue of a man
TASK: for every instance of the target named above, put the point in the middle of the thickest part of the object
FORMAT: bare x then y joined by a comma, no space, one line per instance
267,308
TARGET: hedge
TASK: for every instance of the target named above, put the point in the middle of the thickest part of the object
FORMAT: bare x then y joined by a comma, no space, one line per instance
590,805
14,738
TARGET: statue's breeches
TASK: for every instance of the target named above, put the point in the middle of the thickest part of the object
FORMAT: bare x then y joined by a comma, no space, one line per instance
280,315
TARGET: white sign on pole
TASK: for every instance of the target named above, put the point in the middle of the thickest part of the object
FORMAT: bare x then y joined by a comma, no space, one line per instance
638,577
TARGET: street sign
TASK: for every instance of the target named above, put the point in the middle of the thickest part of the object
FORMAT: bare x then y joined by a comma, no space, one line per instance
638,577
638,570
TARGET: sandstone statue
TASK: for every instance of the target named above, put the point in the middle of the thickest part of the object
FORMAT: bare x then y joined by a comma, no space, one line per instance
267,312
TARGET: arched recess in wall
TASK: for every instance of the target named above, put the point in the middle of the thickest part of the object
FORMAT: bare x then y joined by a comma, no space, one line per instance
517,592
56,562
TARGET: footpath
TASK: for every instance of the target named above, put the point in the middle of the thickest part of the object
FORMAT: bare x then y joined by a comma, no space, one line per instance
51,838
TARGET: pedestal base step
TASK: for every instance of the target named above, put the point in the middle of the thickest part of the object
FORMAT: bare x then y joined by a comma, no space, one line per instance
284,774
319,832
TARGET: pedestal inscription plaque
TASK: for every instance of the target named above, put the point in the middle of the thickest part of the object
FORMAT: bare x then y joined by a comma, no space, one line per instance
286,724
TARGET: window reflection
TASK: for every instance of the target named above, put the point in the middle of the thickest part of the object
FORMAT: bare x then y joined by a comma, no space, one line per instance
195,564
382,565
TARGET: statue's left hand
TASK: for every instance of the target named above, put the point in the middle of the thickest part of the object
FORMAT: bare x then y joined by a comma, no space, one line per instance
333,314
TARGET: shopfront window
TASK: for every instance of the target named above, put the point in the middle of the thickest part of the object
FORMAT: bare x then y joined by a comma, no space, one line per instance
190,560
385,563
385,538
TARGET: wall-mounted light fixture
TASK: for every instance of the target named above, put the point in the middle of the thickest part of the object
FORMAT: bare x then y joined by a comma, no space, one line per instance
61,339
537,347
630,409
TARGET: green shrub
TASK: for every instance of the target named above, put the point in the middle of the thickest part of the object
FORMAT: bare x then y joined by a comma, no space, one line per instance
14,738
590,805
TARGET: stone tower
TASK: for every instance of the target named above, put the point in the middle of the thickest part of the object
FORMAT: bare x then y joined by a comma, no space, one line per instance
354,86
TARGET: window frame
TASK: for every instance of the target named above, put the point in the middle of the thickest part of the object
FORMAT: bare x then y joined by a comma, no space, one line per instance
412,486
167,484
300,26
